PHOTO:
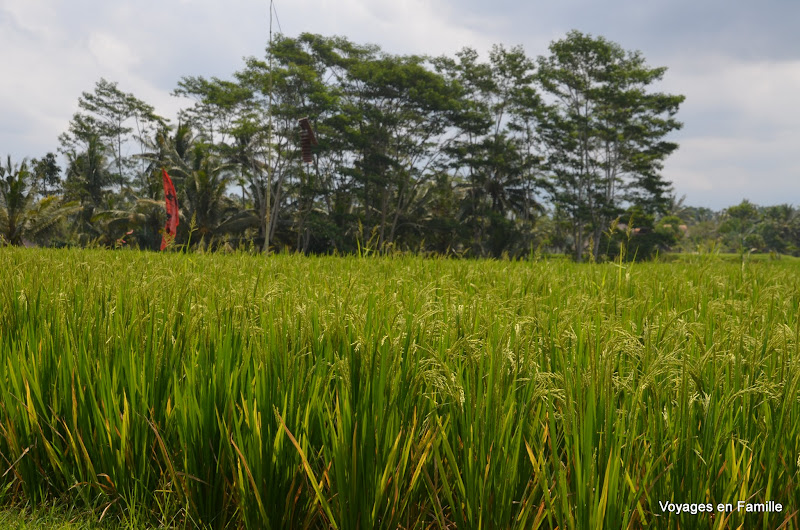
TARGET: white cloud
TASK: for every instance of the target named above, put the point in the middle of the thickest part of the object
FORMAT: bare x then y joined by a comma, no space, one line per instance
719,164
756,91
740,130
47,63
401,26
35,17
111,53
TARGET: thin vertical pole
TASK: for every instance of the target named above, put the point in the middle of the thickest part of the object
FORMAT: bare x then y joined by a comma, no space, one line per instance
269,142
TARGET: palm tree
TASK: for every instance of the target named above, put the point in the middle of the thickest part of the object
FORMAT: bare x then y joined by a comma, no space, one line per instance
169,150
205,184
201,179
21,216
88,179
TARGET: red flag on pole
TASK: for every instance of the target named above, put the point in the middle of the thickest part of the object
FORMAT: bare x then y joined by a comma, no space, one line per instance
172,211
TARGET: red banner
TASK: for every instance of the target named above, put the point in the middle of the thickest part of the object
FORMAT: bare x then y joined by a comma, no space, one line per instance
172,211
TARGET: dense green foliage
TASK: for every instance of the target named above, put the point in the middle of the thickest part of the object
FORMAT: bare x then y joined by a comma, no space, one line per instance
323,392
482,156
744,228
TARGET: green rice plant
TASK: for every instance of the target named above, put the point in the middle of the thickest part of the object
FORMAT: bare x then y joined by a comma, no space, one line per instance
243,391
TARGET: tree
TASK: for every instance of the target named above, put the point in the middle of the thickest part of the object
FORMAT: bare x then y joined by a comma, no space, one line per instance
87,182
88,174
378,118
46,175
603,133
22,217
203,178
639,238
114,118
780,229
250,122
739,227
453,154
396,109
139,216
295,81
493,155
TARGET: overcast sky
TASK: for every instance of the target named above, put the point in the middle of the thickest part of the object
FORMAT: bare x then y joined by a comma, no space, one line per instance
736,61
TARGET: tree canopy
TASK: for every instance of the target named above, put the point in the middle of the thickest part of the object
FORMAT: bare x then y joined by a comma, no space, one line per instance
478,155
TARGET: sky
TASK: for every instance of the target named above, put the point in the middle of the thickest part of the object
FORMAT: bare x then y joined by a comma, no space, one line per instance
736,61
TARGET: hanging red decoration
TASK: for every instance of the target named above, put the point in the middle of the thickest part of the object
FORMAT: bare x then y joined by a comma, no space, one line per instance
307,139
172,211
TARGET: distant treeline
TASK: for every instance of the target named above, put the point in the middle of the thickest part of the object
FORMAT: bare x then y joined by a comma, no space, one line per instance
743,228
507,155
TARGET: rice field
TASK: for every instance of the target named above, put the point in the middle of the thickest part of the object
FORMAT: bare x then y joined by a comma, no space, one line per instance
238,391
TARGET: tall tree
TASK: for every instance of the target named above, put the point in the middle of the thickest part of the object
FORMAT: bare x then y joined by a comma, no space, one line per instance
397,110
604,133
88,182
291,83
378,118
117,119
494,154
